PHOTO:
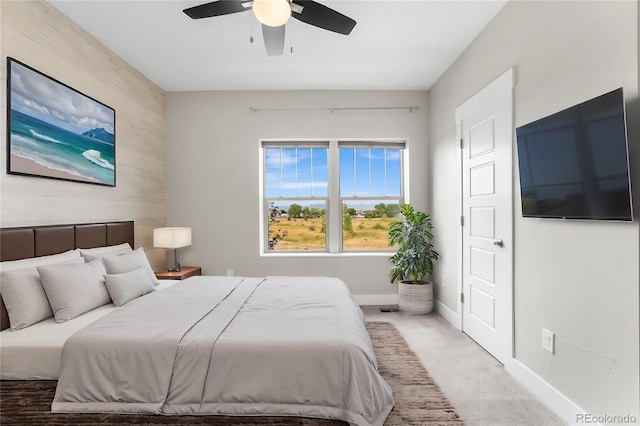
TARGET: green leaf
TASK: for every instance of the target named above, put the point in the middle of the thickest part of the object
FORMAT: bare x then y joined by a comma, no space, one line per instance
415,256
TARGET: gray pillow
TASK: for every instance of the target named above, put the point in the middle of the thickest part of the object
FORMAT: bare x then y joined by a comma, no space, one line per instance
100,252
34,262
74,289
125,287
128,262
24,297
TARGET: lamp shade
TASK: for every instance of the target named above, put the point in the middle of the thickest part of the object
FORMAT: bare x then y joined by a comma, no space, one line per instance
273,13
172,237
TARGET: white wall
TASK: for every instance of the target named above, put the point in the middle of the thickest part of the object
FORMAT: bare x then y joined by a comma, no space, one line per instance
577,279
212,172
37,34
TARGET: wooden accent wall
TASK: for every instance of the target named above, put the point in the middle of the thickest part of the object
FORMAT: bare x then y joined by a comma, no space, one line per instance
39,35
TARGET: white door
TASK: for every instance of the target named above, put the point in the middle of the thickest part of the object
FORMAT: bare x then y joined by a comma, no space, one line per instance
486,131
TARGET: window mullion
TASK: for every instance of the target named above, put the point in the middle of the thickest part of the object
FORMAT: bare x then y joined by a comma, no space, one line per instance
311,161
355,172
334,208
384,162
280,187
369,155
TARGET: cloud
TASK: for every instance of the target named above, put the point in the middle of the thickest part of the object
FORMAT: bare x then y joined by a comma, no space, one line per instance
283,157
50,101
378,153
393,154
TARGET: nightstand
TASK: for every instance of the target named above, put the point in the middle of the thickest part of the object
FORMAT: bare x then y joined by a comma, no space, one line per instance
183,274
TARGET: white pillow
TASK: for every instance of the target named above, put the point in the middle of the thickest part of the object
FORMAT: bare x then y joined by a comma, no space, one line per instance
34,262
128,262
123,288
24,297
74,289
99,252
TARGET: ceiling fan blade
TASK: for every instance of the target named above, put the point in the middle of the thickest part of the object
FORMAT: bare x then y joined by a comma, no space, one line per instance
217,8
273,39
321,16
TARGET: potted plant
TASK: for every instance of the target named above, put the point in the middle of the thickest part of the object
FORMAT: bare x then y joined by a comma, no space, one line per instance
413,262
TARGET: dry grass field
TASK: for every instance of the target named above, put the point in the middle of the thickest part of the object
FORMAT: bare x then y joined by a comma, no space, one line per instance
307,234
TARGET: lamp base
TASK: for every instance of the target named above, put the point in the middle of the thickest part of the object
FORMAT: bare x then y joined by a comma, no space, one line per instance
176,261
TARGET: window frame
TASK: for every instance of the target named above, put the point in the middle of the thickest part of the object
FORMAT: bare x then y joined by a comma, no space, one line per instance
333,201
369,144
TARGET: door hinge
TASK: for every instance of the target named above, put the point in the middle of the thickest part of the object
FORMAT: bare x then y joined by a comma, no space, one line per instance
461,297
461,220
461,143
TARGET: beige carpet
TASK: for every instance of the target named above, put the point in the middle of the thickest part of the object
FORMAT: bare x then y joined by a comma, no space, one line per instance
418,400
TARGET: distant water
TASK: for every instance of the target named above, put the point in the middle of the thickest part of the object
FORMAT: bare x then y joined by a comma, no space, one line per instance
61,149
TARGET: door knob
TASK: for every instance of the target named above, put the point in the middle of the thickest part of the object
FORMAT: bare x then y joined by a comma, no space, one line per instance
498,243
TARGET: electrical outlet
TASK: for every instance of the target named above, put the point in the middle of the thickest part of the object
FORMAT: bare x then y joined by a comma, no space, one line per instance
229,272
443,283
548,340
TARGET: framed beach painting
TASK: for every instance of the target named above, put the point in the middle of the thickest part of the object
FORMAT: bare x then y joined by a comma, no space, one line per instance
54,131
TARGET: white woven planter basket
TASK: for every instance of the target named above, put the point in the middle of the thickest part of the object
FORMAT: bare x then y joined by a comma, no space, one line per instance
416,299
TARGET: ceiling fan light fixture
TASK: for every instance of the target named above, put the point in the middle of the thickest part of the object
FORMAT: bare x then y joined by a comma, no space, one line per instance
273,13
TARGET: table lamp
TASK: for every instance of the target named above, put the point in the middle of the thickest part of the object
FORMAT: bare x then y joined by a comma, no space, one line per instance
172,238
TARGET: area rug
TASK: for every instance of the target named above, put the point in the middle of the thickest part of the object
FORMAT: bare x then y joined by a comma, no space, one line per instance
418,400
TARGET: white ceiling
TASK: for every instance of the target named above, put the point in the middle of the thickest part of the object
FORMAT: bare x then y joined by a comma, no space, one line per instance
396,45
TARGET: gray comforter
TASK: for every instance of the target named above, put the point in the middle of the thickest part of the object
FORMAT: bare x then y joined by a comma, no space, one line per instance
236,346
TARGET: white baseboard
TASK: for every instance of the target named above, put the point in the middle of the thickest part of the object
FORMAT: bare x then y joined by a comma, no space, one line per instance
447,313
564,408
376,299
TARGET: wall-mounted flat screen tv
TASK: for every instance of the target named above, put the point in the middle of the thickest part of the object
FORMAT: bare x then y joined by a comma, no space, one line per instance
574,164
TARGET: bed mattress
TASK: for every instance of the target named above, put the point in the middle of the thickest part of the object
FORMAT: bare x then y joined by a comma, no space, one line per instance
292,346
34,353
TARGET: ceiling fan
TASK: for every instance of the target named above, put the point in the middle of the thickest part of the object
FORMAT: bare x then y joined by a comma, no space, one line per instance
274,14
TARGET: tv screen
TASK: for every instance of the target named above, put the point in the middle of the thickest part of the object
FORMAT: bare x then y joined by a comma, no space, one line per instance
574,164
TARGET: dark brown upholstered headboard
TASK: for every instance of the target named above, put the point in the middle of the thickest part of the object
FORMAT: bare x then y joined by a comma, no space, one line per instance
35,241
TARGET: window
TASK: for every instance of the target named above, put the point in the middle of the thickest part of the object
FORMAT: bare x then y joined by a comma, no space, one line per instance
296,185
330,196
370,193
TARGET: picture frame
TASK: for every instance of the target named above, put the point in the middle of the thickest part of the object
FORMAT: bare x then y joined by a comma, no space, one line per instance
56,132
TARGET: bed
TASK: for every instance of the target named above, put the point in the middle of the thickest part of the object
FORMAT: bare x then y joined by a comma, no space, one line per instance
239,346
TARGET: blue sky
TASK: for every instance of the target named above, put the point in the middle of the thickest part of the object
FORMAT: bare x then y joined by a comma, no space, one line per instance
368,172
303,172
296,172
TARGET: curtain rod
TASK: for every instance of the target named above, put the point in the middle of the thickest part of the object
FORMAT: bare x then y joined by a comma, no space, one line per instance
332,110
